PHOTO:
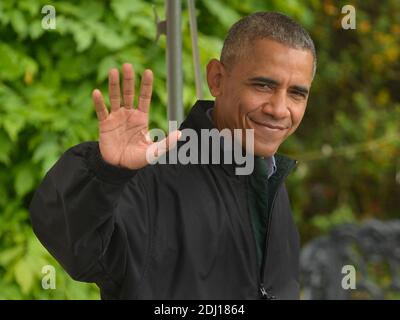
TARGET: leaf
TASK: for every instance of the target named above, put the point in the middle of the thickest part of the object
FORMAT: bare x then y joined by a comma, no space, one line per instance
125,8
222,12
18,22
4,17
35,29
5,148
47,153
106,36
46,149
13,123
29,65
9,291
105,65
48,163
32,6
93,10
10,254
24,180
10,68
3,192
73,67
68,8
82,36
24,275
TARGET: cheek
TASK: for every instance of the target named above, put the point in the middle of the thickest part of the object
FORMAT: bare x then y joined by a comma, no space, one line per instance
251,101
296,117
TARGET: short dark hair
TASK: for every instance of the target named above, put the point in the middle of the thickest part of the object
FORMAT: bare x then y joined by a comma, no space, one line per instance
265,25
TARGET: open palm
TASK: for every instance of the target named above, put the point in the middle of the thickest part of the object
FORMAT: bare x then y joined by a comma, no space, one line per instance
123,132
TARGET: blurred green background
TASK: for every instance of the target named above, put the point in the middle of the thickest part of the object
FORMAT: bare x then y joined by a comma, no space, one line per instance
348,144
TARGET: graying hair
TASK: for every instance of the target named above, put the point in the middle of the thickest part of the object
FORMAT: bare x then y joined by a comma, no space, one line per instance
265,25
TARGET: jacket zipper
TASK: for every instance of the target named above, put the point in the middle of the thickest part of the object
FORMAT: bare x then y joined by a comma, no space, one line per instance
262,292
265,294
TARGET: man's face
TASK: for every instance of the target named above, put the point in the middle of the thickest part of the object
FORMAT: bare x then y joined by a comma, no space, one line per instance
266,90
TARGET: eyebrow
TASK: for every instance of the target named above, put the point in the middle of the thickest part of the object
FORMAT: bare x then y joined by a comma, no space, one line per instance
266,80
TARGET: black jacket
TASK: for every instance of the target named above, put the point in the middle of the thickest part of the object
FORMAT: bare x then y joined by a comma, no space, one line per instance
169,231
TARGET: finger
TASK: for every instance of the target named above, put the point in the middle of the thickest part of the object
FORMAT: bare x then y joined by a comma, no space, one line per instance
146,88
128,85
101,110
114,90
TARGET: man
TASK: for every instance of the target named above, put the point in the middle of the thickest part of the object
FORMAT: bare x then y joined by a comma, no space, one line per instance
175,231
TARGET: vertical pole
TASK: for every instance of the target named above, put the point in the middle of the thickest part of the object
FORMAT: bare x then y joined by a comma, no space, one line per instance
195,48
174,60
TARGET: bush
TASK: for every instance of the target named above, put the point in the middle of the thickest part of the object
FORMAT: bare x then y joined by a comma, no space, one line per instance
46,79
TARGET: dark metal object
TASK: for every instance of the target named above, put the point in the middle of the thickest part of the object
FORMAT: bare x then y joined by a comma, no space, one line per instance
373,248
161,25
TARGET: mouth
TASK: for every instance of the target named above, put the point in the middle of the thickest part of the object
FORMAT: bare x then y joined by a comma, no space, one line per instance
268,126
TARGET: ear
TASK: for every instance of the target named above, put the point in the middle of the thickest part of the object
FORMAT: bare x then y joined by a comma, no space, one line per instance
215,74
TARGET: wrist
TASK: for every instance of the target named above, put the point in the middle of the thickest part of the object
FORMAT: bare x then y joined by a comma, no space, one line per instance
106,171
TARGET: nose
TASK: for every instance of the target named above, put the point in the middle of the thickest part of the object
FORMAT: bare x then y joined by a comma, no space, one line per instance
277,105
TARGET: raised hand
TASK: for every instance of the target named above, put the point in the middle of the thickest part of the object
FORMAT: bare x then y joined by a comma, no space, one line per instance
123,132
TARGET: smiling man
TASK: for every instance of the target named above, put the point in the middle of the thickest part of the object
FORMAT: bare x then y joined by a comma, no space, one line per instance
263,79
175,231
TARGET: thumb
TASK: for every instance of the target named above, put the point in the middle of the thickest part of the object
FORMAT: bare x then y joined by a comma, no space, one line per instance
157,149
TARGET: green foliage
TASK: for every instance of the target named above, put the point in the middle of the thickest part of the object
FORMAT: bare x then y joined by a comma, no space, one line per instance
347,171
350,168
328,221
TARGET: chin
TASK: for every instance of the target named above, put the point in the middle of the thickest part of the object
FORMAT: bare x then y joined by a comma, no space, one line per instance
263,150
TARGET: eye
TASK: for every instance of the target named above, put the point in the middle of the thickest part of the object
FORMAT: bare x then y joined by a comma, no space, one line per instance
297,95
264,86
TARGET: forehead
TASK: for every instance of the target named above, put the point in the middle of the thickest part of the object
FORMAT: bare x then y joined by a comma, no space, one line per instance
270,58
